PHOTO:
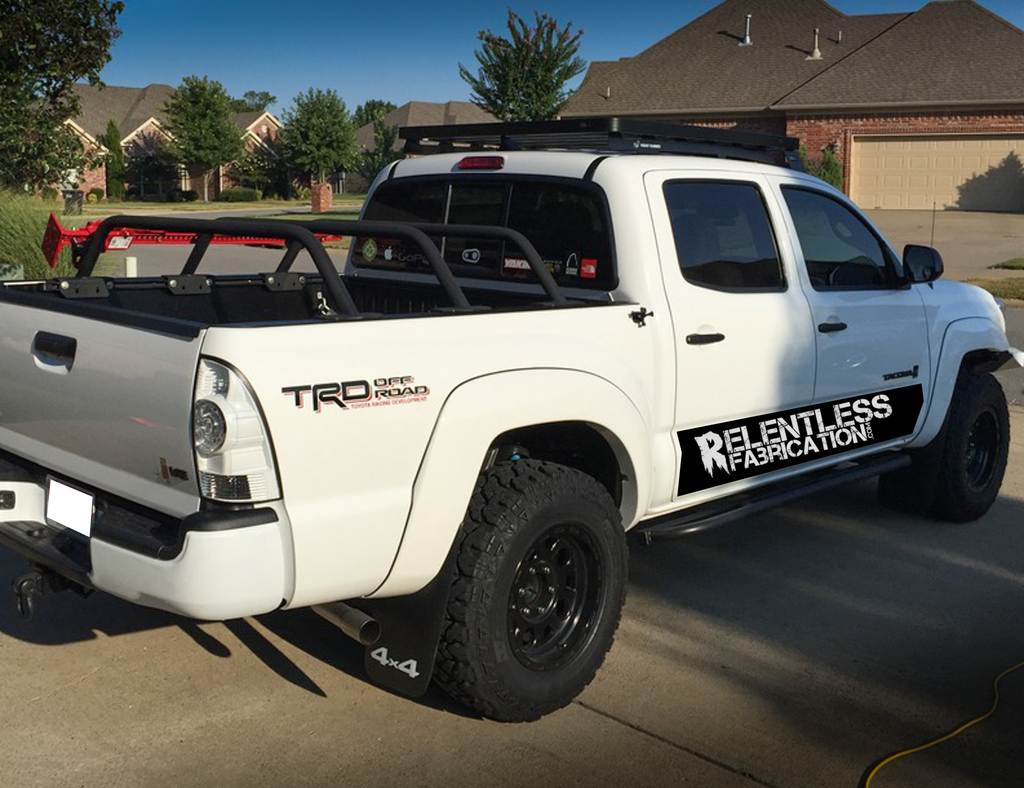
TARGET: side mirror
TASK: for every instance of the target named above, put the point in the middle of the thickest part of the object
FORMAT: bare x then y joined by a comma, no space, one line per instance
921,263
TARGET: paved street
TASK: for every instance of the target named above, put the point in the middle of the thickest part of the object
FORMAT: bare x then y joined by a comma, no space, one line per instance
792,650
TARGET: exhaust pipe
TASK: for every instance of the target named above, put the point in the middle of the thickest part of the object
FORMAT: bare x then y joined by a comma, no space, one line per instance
354,623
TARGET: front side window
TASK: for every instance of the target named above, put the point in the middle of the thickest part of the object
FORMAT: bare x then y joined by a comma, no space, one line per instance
723,237
840,250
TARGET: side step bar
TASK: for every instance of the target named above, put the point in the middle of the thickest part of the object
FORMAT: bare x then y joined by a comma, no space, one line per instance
716,513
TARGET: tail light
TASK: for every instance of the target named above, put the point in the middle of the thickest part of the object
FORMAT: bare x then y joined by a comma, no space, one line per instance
234,459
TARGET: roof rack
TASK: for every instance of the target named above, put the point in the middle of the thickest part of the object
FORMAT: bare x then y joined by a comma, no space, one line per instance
618,135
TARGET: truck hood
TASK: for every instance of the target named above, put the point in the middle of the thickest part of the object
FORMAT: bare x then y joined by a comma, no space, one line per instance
946,302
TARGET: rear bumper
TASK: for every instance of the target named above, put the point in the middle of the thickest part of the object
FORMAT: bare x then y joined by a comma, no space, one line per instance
211,565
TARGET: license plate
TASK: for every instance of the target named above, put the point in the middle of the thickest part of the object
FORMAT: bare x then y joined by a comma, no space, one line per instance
69,507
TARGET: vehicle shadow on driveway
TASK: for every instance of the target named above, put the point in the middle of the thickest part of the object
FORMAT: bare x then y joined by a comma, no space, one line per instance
68,618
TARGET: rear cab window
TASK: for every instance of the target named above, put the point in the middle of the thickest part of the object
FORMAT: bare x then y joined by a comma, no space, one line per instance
566,220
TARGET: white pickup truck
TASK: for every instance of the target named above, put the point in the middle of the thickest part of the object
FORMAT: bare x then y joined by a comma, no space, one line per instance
441,450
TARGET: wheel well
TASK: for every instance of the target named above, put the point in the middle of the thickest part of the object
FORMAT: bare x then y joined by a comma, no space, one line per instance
984,360
575,444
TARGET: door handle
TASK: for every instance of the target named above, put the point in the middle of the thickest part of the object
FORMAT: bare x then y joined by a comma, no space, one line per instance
54,350
826,328
703,339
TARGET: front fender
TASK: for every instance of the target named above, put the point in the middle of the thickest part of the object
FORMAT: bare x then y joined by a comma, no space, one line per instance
478,411
960,338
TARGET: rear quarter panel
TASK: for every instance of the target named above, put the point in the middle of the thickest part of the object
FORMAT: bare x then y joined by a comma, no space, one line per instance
348,473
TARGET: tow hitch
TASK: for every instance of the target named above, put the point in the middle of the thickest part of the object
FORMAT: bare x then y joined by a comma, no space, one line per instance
40,582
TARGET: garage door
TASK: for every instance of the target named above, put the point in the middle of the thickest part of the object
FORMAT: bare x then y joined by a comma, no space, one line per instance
974,173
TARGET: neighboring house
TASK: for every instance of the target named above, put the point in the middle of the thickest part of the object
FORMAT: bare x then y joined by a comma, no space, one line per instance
415,113
921,108
140,117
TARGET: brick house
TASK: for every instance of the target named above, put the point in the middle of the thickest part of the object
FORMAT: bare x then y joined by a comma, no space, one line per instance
139,115
921,108
416,113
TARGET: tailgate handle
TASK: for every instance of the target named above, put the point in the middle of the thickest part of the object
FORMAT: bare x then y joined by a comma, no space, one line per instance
54,350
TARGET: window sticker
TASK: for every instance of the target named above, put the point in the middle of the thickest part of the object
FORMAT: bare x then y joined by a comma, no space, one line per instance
722,453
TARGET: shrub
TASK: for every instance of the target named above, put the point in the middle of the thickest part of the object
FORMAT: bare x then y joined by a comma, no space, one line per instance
48,193
189,195
239,194
828,167
92,199
22,224
96,192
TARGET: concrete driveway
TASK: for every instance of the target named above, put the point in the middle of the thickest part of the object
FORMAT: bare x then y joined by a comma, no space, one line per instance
790,651
969,241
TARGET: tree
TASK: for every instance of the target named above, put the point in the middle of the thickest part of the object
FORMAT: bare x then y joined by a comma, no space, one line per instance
373,161
255,169
111,140
318,135
46,46
253,101
523,77
371,110
202,132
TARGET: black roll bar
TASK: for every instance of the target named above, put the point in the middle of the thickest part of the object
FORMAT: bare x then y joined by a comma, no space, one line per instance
338,296
411,233
300,235
437,262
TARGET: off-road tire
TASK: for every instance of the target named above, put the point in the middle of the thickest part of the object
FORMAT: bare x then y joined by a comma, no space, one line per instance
957,476
542,534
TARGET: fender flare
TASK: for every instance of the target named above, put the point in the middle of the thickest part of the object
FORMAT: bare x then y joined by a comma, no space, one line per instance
474,414
960,338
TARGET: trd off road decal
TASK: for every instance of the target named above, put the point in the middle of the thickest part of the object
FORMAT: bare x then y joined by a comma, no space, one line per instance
721,453
350,394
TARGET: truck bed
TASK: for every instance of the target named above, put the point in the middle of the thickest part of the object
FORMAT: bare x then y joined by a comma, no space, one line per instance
247,299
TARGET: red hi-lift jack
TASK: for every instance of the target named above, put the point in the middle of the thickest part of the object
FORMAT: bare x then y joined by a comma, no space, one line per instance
57,237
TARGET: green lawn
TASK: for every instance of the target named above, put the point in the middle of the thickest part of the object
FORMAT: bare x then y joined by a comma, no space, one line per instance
97,210
340,213
1002,288
1016,264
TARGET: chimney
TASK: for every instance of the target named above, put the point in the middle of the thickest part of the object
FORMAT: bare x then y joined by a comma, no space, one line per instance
746,36
816,54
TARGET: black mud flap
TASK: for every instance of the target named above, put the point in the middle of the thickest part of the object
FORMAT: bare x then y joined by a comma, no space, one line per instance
402,658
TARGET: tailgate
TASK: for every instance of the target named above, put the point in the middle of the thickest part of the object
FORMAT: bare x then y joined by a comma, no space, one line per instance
103,404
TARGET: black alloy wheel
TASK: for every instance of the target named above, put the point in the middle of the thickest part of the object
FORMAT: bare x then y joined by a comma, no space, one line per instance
554,597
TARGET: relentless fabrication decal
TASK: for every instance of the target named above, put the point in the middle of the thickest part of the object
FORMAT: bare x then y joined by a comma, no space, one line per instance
351,394
722,453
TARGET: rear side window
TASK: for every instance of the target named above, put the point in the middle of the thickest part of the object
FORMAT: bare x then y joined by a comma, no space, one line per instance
565,221
723,237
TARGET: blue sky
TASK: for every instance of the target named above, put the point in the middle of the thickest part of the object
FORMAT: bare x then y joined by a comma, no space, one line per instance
397,50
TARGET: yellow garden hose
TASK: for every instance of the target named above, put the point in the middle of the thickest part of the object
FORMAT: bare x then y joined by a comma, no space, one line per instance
866,782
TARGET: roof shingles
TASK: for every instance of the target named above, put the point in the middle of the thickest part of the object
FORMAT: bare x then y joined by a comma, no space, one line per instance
948,51
131,108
